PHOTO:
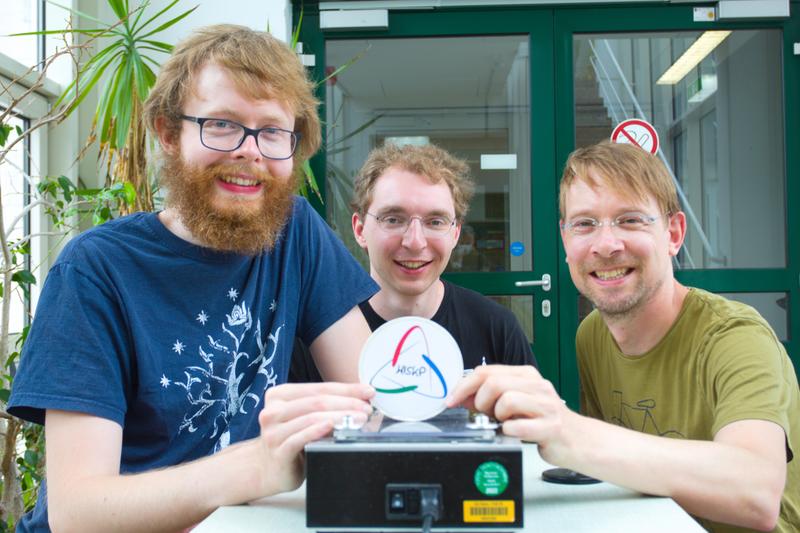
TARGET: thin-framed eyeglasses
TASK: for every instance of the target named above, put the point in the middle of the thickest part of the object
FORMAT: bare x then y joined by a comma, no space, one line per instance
397,224
225,135
627,222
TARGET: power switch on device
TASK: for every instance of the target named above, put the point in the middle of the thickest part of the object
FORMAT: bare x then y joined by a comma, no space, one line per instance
404,500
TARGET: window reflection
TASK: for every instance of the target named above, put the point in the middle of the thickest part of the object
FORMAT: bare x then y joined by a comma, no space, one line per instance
720,127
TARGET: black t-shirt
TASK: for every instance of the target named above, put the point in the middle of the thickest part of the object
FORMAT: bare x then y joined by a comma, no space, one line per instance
480,326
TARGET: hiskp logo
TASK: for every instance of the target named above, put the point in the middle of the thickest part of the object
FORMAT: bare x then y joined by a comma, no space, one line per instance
411,369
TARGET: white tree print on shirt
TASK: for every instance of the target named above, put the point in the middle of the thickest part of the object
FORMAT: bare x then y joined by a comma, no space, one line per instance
224,362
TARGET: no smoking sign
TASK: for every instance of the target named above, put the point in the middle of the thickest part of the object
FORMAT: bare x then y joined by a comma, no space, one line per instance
637,132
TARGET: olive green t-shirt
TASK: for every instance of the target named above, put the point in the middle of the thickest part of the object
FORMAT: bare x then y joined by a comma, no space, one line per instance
719,363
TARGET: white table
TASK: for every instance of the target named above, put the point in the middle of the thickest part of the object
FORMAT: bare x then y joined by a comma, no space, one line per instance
549,507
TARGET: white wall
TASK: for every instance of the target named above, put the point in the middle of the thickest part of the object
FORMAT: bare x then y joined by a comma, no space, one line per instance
256,14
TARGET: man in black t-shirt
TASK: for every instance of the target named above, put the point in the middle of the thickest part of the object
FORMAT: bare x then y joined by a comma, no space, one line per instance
409,205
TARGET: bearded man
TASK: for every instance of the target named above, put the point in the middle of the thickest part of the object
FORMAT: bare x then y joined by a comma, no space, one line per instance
162,340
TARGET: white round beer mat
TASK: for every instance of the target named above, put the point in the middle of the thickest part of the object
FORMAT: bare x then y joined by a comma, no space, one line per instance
412,363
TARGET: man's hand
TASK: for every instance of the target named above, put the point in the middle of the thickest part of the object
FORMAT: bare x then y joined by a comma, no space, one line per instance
296,414
518,396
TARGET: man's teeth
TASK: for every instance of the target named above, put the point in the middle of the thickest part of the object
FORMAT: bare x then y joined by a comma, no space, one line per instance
412,264
239,181
606,275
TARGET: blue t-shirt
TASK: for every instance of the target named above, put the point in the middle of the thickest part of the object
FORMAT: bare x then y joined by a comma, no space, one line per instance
175,342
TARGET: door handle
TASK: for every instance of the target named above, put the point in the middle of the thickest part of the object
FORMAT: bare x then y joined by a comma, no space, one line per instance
544,283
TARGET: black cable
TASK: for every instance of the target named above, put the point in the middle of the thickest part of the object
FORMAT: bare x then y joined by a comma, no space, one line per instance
430,506
427,522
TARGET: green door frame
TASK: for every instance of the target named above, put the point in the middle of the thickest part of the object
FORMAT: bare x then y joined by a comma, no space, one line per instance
612,19
538,24
551,32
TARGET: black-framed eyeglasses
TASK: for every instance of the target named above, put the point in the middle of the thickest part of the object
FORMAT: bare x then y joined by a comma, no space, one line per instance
225,135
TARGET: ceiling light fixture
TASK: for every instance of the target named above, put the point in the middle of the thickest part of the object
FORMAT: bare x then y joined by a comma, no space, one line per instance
693,56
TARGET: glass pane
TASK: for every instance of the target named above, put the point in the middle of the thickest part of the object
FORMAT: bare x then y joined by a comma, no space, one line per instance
722,140
522,307
773,306
15,197
19,16
468,95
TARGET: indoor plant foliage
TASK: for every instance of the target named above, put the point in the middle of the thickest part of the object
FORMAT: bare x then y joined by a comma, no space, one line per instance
124,61
64,205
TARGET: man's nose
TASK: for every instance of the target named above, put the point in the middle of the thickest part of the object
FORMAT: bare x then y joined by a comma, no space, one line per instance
249,148
414,237
606,240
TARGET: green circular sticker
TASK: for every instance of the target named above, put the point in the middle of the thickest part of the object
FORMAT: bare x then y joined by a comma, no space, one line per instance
491,478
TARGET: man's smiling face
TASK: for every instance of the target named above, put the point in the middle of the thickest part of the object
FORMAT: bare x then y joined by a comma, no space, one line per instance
619,270
410,263
238,200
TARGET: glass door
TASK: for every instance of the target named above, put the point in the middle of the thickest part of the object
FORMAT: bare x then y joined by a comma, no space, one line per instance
479,84
722,125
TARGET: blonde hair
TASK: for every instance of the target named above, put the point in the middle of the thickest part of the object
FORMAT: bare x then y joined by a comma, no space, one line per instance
434,163
261,67
626,169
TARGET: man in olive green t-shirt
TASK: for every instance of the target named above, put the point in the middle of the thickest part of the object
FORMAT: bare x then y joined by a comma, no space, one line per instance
684,393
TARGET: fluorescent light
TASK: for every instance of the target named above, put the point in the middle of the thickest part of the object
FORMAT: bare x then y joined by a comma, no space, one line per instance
362,19
418,140
692,56
498,161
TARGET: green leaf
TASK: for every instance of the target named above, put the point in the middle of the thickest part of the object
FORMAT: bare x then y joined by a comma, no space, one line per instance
4,394
164,47
347,65
23,277
119,8
1,289
296,32
66,186
5,131
358,130
31,457
170,22
310,180
154,17
129,193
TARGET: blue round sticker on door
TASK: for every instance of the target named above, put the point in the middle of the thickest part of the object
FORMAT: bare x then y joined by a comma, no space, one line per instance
517,248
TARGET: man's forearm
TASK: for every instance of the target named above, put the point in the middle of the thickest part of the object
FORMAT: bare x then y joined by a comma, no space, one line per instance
171,499
713,480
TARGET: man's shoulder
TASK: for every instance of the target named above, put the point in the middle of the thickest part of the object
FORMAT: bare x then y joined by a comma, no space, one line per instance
705,309
110,235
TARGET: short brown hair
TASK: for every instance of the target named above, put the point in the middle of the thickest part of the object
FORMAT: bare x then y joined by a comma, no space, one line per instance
261,67
626,169
434,163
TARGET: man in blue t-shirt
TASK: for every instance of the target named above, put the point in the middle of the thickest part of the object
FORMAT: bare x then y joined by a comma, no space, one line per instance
161,343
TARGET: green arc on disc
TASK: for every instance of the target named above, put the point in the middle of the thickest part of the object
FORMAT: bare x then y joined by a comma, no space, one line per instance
396,391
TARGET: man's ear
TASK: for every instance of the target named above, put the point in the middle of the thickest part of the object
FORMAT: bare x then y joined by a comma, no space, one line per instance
358,230
456,234
168,140
676,225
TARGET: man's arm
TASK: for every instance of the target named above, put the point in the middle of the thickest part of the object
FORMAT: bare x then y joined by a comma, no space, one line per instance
337,349
87,493
738,478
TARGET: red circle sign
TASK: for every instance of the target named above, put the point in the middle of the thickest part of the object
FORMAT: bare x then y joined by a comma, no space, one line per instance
637,132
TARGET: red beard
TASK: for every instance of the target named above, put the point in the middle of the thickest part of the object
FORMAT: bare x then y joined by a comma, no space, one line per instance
245,226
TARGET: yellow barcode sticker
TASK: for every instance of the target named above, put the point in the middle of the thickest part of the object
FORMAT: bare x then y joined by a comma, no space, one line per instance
488,510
